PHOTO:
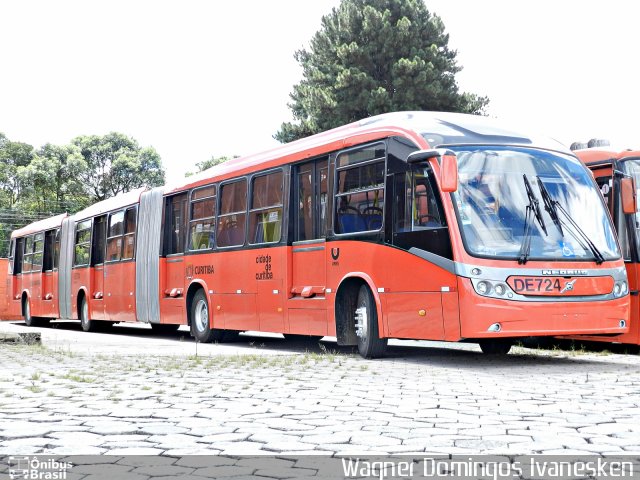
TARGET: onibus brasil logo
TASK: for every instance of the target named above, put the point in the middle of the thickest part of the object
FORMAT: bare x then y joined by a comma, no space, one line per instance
33,468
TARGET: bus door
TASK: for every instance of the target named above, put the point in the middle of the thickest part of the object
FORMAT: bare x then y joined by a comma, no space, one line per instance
626,227
15,265
235,299
418,223
36,276
307,304
172,265
96,288
49,276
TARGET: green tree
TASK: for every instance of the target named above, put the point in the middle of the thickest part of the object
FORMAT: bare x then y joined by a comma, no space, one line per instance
14,156
52,180
372,57
117,164
212,162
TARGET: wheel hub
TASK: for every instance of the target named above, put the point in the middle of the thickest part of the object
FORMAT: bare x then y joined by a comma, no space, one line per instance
361,322
202,316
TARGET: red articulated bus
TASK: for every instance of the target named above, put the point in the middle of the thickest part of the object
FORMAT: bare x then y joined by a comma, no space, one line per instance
410,225
617,173
33,271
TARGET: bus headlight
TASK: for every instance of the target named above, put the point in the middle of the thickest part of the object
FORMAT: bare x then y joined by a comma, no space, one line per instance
620,289
492,288
483,288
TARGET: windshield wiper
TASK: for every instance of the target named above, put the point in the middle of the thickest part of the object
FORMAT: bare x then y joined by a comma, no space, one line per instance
552,207
533,209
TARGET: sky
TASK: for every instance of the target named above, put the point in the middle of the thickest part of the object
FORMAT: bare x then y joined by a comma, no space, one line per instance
196,79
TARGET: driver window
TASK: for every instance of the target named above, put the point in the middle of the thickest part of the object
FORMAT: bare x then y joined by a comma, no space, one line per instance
416,203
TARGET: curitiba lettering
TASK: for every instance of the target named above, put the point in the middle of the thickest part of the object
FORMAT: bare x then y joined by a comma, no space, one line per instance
265,274
203,269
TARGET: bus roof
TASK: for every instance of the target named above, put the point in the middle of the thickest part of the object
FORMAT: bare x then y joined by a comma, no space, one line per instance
596,155
114,203
427,129
40,226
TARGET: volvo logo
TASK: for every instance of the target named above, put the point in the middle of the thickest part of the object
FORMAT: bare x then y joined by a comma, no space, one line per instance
565,273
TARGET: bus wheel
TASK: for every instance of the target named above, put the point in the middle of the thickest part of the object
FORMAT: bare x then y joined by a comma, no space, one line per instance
86,324
28,319
370,345
496,346
200,327
164,328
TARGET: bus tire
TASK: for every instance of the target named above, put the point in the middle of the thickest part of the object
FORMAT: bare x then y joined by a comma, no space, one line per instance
30,320
370,345
164,328
496,346
200,325
86,323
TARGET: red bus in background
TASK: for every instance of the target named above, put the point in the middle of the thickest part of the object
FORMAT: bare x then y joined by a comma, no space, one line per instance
32,280
102,274
617,173
411,225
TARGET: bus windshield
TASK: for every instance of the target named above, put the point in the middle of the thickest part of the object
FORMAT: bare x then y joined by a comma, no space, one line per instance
521,203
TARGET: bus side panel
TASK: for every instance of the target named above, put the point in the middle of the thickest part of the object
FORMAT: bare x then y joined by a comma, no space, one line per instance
172,292
50,294
33,283
451,314
235,287
80,279
415,315
120,282
633,273
407,283
238,311
9,309
269,274
633,335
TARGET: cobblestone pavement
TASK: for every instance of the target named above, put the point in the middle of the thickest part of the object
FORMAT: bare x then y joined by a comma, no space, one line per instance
435,400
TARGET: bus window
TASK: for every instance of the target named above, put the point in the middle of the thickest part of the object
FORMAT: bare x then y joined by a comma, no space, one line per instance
323,173
38,250
312,199
82,245
233,207
98,240
265,216
306,203
49,242
114,236
17,259
175,224
360,189
131,216
416,204
12,249
201,227
56,253
27,259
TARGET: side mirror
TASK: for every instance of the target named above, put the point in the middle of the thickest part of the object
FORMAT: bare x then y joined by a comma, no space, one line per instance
422,156
448,166
628,195
449,172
